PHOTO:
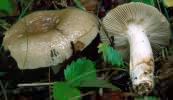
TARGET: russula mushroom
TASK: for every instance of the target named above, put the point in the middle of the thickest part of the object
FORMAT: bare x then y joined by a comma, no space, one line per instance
140,27
44,38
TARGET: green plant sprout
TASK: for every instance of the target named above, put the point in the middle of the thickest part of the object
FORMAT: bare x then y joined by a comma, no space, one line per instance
79,5
110,55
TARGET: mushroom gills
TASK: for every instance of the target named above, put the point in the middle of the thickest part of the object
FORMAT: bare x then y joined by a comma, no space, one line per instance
142,29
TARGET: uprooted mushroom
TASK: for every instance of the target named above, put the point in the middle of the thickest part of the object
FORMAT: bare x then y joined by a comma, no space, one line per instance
142,28
44,38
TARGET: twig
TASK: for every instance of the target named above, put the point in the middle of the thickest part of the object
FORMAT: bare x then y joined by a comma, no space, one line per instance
109,76
49,76
127,94
34,84
81,76
158,3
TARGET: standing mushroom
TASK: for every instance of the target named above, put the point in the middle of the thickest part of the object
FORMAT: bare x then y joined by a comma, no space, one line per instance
137,25
44,38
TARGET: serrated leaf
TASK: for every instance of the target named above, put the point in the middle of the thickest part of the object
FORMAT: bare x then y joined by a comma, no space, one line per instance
80,70
62,91
99,84
110,55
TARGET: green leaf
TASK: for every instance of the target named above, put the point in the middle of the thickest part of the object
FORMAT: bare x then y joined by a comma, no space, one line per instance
149,2
110,55
81,70
99,84
62,91
79,5
6,6
147,98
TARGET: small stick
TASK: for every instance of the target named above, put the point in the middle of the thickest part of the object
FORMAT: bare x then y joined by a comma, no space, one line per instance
34,84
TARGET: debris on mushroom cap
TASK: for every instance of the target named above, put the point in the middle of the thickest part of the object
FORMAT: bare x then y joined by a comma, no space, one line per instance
154,23
44,38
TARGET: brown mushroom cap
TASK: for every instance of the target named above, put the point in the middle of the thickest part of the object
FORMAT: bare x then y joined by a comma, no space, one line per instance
154,23
44,38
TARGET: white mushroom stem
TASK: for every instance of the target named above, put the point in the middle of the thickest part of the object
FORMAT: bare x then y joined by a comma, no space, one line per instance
141,59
